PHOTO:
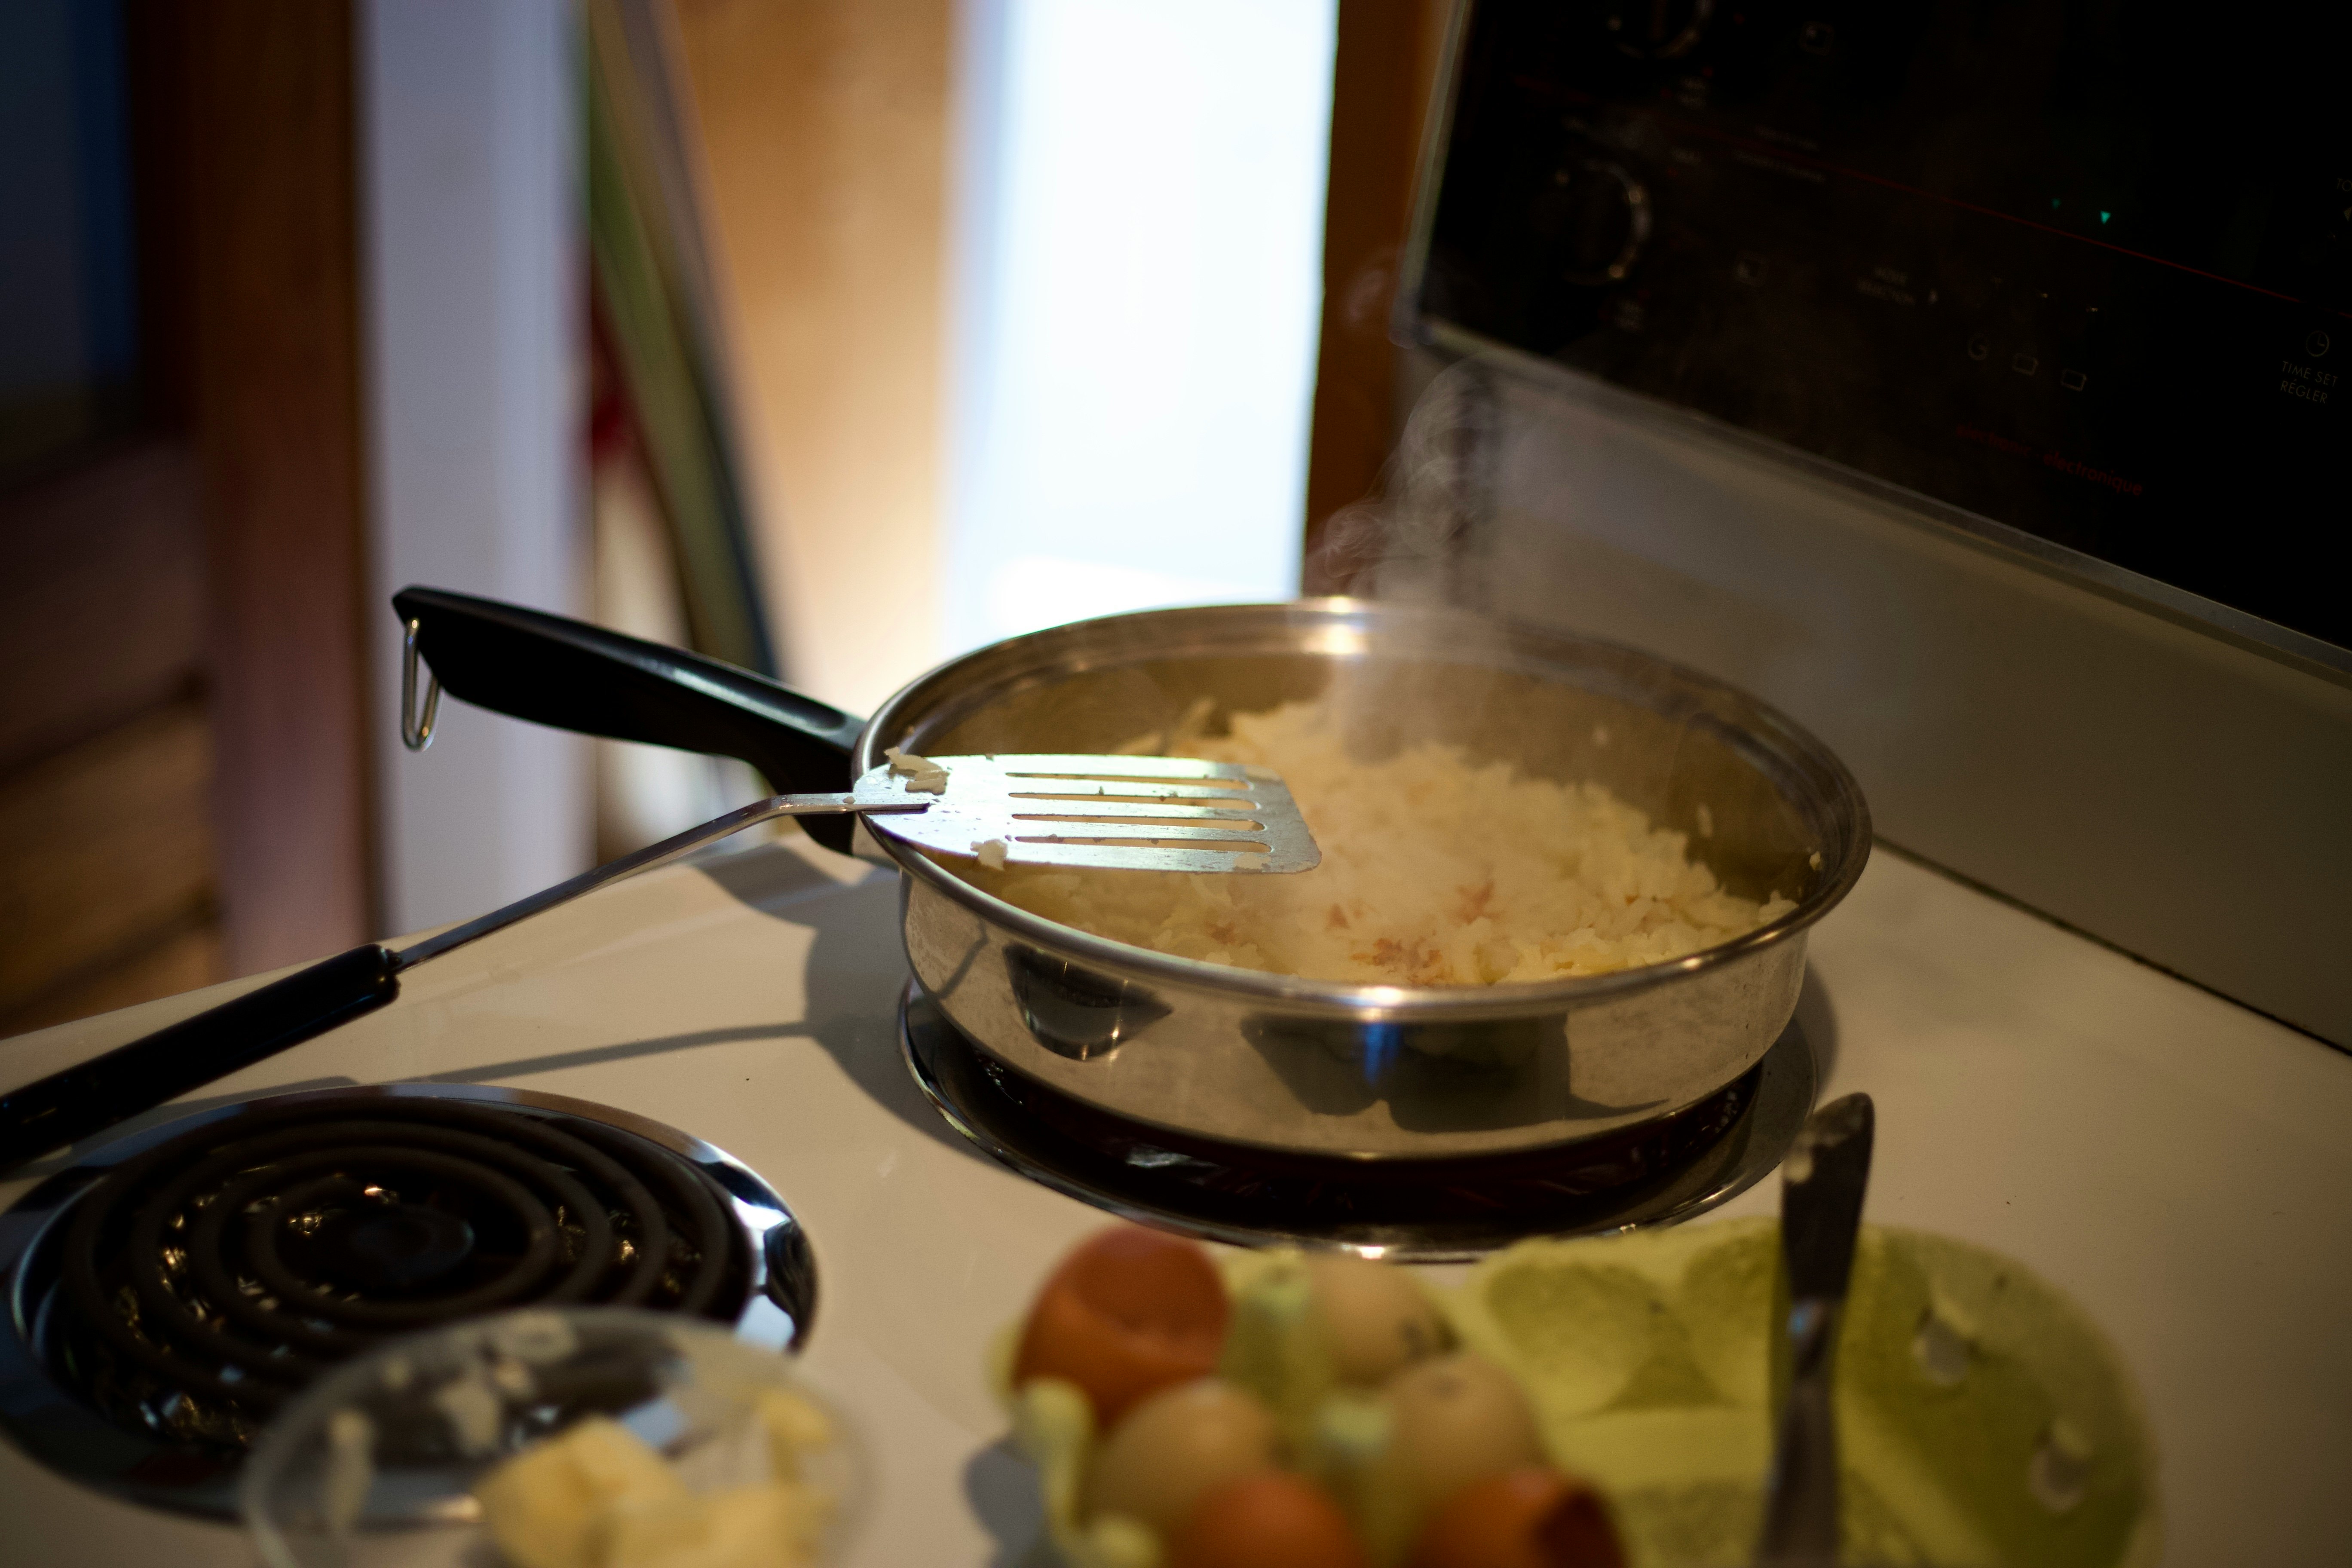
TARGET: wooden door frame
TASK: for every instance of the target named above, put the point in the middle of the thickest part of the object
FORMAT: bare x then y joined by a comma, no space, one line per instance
186,596
275,201
1384,68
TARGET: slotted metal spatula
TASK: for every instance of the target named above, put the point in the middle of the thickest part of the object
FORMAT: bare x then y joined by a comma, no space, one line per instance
1115,814
1119,813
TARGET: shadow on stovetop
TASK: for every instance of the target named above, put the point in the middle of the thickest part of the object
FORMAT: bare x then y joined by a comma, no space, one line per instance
850,990
855,970
593,1056
770,877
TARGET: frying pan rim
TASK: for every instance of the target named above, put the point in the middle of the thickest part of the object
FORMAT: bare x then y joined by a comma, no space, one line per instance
1844,799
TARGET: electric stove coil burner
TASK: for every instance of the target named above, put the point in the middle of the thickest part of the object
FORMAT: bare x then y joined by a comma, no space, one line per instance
179,1296
211,1278
1411,1210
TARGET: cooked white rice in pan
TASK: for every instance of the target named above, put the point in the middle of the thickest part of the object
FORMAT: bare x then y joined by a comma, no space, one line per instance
1436,872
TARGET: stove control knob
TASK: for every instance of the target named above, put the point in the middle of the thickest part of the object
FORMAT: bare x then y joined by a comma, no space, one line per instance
1657,29
1594,220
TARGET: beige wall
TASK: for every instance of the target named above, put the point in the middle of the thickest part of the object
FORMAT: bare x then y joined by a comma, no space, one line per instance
824,127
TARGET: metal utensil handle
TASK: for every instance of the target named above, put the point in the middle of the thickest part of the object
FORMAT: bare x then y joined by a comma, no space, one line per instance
801,806
162,1066
98,1093
1823,1182
551,670
1801,1510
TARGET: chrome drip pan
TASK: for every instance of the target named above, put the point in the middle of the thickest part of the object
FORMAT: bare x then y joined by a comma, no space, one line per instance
164,1295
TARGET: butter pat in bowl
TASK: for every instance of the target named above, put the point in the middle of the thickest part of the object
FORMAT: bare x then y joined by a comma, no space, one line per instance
581,1437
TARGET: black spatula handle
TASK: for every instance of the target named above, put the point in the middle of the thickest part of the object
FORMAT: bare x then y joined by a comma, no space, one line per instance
98,1093
531,665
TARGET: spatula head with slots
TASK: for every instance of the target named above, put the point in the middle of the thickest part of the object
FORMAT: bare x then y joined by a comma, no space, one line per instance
1119,813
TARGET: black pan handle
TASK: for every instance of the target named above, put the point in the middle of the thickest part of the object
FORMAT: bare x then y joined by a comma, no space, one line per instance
530,665
162,1066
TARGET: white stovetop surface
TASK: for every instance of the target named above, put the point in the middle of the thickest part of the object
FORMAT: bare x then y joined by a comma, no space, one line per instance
2176,1163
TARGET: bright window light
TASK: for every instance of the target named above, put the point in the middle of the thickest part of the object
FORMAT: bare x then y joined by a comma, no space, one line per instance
1140,277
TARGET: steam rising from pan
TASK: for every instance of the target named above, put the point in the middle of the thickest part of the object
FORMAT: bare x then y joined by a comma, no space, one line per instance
1411,537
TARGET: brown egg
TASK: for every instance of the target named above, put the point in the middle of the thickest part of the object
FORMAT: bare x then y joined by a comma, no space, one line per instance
1456,1419
1378,1315
1531,1517
1130,1311
1174,1447
1271,1519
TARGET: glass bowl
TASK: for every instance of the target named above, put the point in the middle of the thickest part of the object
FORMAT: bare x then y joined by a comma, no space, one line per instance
376,1463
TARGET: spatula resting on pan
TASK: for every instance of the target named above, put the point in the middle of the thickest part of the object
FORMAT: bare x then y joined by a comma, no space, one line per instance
1119,813
1109,814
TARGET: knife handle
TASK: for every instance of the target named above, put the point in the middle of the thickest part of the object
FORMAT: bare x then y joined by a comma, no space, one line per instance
1800,1508
530,665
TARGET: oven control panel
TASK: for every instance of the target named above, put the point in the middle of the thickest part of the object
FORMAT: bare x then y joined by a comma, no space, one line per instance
2083,271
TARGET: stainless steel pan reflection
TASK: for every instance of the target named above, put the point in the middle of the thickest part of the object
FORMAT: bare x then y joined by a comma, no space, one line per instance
1364,1072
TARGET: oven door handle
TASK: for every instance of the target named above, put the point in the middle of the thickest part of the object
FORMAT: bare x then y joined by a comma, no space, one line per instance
552,670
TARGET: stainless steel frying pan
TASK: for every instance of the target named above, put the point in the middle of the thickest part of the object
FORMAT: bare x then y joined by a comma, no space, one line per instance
1366,1072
